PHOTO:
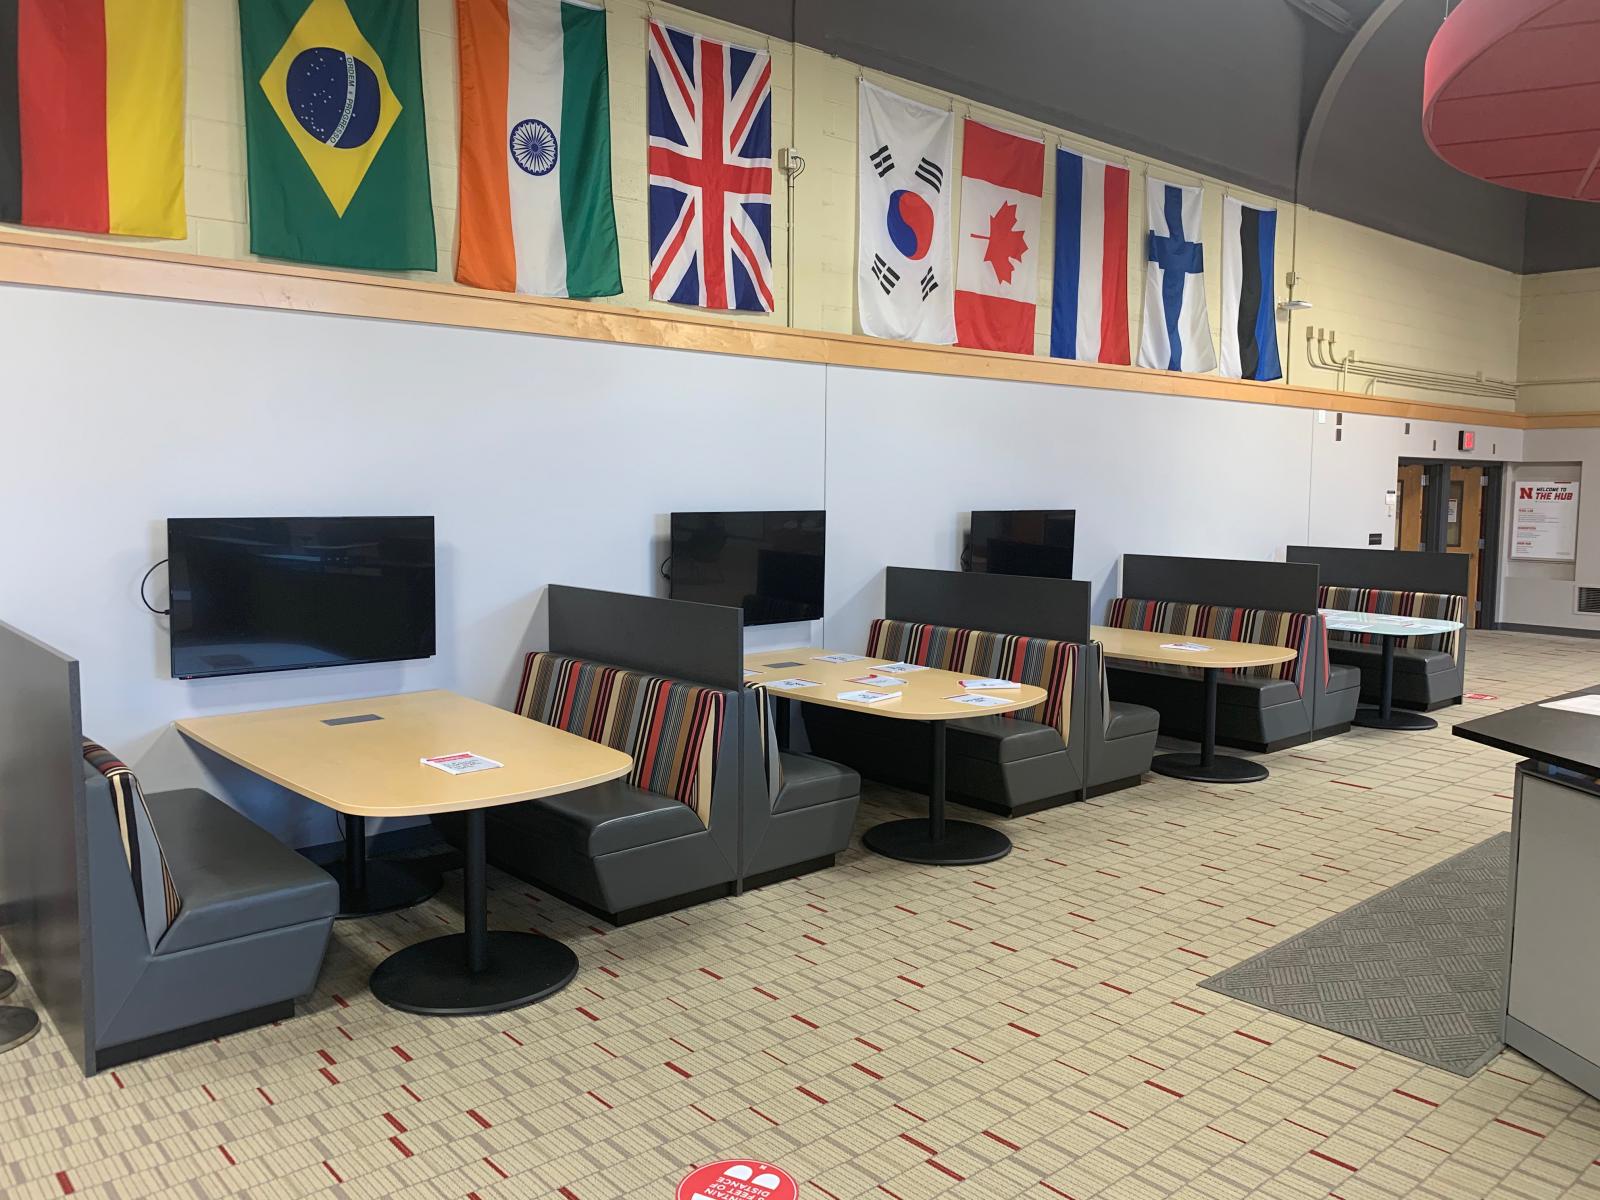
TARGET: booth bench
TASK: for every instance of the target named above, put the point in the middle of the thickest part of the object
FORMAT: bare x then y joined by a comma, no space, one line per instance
664,681
1259,708
1429,672
1031,630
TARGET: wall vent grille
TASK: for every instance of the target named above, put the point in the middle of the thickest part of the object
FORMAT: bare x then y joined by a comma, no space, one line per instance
1588,601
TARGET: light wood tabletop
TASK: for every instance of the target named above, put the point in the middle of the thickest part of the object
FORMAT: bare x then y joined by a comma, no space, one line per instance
373,768
1145,645
923,695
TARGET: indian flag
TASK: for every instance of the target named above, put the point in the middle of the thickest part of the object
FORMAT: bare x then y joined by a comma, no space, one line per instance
536,212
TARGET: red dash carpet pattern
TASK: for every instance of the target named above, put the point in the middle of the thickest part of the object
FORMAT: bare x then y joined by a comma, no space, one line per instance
1031,1028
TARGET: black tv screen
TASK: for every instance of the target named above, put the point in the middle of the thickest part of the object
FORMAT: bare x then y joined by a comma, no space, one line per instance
1036,541
768,563
282,593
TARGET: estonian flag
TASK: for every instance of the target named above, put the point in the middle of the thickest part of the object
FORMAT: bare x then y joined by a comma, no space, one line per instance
1249,309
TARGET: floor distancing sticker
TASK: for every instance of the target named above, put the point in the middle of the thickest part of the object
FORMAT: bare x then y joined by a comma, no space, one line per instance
738,1179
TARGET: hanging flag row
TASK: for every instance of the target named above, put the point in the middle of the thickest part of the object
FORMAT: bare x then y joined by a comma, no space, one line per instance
91,138
906,288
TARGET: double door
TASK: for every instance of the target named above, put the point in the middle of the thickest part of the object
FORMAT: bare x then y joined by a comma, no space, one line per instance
1457,526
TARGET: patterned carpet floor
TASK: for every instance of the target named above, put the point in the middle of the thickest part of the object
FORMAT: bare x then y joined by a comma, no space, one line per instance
1418,969
1035,1028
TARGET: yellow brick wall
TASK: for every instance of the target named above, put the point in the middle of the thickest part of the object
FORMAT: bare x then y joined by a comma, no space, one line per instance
1385,297
1560,314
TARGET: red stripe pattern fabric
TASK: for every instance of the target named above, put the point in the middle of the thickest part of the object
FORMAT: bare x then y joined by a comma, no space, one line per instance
153,888
1042,662
1438,605
672,729
61,104
1265,626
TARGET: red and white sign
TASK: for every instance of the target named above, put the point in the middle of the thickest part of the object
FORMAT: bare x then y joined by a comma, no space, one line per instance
997,256
739,1179
1544,520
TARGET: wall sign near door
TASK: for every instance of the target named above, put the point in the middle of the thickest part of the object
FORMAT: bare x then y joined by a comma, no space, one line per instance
1544,520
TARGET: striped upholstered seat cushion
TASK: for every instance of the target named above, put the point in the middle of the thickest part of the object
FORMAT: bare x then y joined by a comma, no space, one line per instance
1438,605
153,889
1042,662
672,729
1266,626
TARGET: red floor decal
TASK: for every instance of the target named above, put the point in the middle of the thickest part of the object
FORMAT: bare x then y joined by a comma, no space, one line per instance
738,1179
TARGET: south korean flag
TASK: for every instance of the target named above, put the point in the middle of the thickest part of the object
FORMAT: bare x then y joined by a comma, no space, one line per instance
904,284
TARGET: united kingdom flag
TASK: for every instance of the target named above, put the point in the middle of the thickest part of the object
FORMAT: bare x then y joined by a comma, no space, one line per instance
710,172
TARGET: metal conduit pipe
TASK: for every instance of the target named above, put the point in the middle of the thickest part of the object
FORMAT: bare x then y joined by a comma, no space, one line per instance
1321,354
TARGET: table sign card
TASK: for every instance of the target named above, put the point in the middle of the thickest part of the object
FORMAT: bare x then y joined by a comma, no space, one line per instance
1190,647
868,697
978,700
876,681
841,658
991,685
792,684
901,668
461,764
1589,706
780,666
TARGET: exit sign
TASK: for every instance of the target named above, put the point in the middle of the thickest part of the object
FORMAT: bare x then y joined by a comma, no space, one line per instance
1468,440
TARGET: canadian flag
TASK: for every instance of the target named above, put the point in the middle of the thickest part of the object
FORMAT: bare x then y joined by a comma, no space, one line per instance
997,262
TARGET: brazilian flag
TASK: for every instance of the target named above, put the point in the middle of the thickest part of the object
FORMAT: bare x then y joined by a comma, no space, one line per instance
337,137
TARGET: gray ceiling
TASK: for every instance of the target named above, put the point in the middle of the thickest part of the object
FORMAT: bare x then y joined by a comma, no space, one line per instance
1228,88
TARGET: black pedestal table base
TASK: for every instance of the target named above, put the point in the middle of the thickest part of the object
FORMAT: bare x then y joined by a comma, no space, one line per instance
475,972
432,978
371,886
933,840
1223,768
1384,716
1370,716
963,843
1208,766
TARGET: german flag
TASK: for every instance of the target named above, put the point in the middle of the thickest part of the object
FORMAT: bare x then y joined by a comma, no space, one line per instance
91,115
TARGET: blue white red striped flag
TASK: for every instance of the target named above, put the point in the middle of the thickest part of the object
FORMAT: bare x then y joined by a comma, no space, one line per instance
710,125
1089,308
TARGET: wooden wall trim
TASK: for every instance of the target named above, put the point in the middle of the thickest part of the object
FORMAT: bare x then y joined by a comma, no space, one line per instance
59,262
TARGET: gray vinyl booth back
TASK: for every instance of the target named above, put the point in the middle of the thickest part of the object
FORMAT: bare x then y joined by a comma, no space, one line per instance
683,640
1023,605
1243,583
1391,570
1282,587
699,643
43,838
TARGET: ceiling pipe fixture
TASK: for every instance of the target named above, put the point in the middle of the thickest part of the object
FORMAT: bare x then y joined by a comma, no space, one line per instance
1511,94
1326,12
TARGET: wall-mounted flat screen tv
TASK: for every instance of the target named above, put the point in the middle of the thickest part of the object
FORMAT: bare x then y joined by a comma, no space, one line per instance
1029,541
768,563
257,594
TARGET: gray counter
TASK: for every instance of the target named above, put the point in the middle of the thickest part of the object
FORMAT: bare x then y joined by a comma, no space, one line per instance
1552,1003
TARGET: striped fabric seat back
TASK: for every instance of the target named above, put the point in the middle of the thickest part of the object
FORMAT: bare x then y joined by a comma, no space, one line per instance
771,756
153,889
1042,662
1438,605
672,729
1265,626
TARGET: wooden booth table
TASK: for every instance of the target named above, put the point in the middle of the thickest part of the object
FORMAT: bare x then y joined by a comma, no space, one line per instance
363,758
1389,629
924,695
1212,656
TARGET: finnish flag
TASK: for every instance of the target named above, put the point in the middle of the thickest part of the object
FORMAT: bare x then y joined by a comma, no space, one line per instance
1177,330
1249,304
